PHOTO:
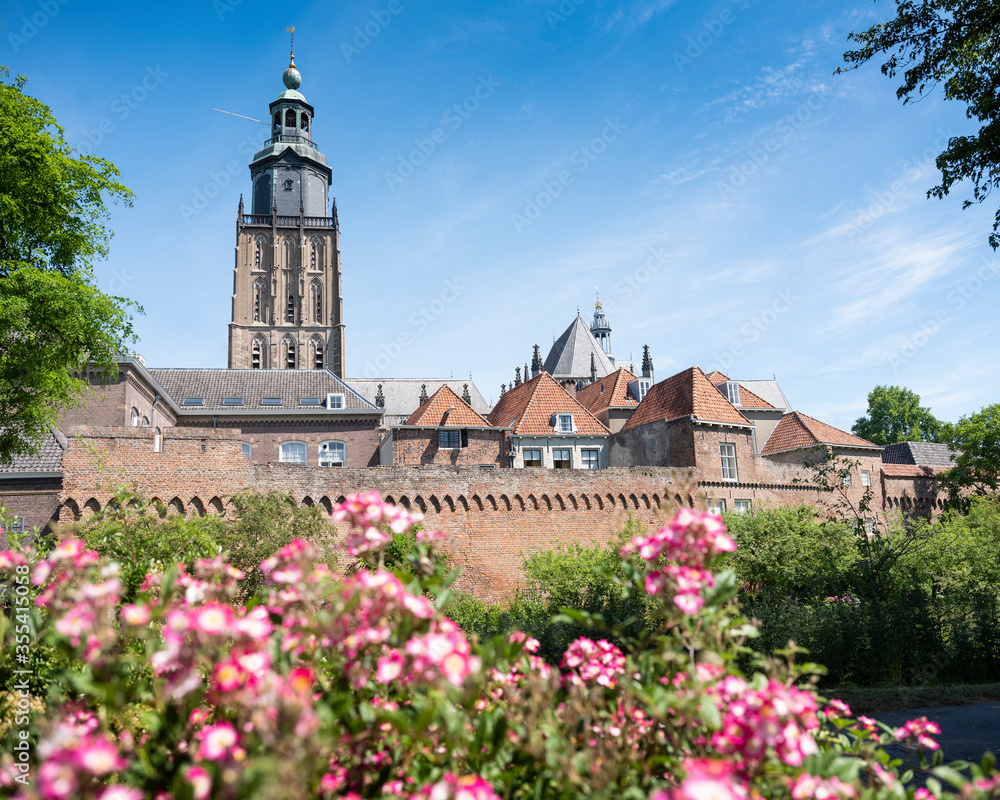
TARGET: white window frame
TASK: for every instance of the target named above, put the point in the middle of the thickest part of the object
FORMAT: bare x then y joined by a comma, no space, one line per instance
590,458
449,439
866,478
157,440
568,451
718,506
743,506
246,448
334,454
335,401
564,423
286,450
847,479
524,456
135,417
727,452
643,389
732,392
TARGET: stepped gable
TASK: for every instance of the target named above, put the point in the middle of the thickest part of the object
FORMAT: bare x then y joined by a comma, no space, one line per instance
213,386
608,392
796,431
48,460
571,352
528,409
687,394
445,407
748,398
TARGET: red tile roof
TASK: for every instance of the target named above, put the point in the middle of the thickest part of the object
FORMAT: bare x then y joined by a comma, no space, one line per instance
686,394
444,407
530,406
608,392
747,398
796,430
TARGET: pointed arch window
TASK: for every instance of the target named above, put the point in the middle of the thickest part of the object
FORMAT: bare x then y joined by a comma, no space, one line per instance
290,261
290,354
317,349
290,309
258,354
317,302
258,301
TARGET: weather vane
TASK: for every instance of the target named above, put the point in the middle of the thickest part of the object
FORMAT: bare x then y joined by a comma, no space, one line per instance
291,30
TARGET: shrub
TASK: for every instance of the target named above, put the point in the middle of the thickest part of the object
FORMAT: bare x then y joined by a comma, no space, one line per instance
360,687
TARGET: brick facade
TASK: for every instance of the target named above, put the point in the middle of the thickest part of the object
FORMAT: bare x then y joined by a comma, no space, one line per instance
419,447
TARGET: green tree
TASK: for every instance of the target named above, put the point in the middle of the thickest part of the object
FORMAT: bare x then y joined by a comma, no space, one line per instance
895,415
951,43
976,441
53,318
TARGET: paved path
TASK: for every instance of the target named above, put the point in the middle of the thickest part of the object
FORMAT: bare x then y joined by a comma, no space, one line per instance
966,731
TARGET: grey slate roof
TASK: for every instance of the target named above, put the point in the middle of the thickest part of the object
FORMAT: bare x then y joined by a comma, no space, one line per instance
402,395
253,385
570,354
922,454
769,391
49,458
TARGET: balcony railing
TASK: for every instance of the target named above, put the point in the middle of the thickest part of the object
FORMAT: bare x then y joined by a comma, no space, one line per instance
288,222
290,139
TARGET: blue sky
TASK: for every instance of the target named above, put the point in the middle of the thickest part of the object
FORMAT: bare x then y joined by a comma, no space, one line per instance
739,206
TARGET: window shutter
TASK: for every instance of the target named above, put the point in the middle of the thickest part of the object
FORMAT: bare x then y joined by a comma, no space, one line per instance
465,437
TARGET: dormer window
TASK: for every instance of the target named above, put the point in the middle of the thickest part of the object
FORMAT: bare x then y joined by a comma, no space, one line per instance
732,391
564,423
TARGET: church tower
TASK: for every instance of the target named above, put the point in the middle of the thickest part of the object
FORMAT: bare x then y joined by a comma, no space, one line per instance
287,304
601,329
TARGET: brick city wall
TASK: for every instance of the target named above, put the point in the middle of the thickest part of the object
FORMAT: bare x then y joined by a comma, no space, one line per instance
36,500
493,517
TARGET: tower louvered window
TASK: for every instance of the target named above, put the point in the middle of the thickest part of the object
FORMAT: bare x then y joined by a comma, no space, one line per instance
290,311
290,354
255,355
319,356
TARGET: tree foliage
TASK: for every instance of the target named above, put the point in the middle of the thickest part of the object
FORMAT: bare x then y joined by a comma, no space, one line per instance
976,442
951,43
53,226
895,415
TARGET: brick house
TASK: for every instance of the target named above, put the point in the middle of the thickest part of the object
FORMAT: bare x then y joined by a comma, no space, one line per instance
444,430
548,428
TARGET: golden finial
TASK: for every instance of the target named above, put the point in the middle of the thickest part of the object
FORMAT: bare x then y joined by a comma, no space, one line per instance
291,58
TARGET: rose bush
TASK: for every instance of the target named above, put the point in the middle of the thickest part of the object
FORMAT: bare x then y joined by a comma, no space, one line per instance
321,685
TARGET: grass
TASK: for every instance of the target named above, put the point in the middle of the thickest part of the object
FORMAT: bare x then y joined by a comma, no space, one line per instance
870,699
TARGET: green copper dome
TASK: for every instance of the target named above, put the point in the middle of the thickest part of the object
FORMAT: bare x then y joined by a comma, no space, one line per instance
292,77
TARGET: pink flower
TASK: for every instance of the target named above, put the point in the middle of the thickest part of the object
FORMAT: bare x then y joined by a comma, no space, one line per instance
918,729
136,615
98,756
837,709
390,667
120,792
200,781
709,779
808,786
588,660
216,740
228,676
213,618
57,779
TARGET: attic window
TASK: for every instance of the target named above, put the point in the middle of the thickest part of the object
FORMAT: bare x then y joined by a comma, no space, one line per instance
564,423
732,391
308,401
270,401
232,401
193,401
